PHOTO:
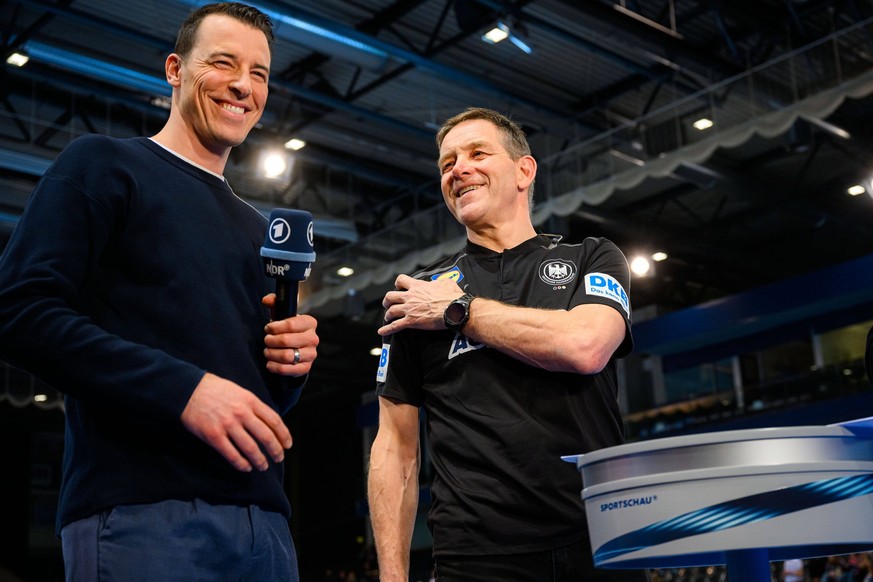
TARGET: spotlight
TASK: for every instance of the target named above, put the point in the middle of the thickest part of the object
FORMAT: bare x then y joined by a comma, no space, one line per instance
640,266
659,256
274,165
376,351
703,123
345,271
856,189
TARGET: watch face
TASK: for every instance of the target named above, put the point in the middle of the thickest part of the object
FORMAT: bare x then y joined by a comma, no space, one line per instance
455,313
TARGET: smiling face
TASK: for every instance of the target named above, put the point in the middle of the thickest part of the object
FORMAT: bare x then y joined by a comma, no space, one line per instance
220,87
483,187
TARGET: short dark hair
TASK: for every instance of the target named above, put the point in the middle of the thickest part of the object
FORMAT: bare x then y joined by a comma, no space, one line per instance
512,136
250,15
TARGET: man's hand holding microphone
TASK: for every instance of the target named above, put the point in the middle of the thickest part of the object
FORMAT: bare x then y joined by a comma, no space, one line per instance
230,418
288,256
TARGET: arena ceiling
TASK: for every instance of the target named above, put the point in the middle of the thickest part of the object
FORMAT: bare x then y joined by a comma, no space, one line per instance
609,93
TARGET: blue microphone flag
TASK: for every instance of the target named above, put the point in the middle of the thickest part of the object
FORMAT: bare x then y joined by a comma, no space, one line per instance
288,247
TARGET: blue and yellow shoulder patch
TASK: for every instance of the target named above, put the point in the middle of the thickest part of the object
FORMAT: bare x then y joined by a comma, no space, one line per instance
454,274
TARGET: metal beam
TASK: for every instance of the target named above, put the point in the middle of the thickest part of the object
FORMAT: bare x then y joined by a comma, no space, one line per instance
313,26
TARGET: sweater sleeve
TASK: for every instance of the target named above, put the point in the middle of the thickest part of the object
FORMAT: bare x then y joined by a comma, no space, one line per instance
49,294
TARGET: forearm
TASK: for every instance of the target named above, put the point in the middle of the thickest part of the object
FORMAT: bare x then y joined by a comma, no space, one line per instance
393,499
579,341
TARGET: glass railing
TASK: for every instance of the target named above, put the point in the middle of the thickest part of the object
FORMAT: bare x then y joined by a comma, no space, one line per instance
828,383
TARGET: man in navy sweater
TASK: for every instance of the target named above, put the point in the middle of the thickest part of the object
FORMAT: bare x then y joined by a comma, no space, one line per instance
133,284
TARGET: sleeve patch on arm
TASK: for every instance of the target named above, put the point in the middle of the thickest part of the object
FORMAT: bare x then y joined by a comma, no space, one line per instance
383,363
603,285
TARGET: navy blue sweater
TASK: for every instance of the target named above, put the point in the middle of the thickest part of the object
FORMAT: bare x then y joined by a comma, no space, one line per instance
131,274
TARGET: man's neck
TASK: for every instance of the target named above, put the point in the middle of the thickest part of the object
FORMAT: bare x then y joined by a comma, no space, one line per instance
506,237
192,162
184,143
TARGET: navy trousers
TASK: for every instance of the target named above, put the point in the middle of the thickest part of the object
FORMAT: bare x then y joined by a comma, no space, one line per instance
180,541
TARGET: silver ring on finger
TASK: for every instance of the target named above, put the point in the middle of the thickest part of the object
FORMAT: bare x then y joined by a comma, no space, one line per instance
296,357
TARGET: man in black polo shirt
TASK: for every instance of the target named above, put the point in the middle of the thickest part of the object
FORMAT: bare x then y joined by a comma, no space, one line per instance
509,347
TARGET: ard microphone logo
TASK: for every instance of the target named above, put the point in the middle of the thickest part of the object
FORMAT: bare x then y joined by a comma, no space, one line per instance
280,231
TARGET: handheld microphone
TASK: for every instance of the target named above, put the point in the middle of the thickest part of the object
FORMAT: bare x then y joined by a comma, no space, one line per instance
288,256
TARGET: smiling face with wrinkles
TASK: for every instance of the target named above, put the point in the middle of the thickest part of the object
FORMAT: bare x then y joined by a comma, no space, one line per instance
220,87
483,187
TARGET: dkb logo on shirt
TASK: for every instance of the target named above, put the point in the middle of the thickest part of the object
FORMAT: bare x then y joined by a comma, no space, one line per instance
603,285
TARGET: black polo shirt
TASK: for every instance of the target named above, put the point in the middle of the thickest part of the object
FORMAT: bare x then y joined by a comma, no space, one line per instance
497,427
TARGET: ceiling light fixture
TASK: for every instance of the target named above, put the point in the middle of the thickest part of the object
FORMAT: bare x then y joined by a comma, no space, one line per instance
345,271
295,144
829,127
375,351
659,256
515,35
17,59
703,123
497,34
856,189
516,40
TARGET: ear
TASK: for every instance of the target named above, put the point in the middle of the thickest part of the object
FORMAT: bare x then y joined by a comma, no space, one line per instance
173,70
525,172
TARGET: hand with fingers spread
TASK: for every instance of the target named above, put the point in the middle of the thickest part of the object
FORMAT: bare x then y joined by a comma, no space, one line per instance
234,422
417,304
291,344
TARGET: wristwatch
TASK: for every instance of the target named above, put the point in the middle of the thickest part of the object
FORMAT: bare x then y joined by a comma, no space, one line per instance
458,312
